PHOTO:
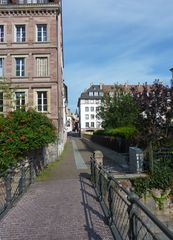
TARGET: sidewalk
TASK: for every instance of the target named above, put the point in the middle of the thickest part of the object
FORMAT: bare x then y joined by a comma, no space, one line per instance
63,206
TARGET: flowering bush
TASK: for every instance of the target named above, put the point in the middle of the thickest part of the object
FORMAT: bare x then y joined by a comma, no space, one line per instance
23,131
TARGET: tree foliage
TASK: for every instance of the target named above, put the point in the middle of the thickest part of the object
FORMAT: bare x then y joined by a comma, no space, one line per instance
119,110
155,105
22,131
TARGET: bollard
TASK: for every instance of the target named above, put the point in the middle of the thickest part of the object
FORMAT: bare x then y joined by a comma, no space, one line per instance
98,157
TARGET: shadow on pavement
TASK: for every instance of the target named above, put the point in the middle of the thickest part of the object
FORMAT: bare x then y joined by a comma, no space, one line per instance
93,216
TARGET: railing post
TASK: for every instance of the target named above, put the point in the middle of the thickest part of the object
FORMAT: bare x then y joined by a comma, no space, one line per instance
31,170
98,155
132,233
8,180
110,201
100,197
93,169
22,185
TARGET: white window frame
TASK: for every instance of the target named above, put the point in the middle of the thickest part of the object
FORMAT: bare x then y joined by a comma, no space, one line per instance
86,116
21,66
92,116
20,33
42,98
92,123
42,68
21,98
87,125
86,109
92,109
43,37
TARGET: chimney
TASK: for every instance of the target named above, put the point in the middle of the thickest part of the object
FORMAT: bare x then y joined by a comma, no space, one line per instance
101,86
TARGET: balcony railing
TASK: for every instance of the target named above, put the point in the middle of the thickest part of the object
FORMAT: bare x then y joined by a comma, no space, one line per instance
128,218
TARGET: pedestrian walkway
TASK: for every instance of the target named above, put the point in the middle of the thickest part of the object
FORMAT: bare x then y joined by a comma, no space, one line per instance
63,206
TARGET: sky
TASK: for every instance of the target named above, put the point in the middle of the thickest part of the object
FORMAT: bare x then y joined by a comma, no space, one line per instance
116,41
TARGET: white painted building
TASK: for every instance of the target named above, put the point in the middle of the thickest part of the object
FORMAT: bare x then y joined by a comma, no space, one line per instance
88,104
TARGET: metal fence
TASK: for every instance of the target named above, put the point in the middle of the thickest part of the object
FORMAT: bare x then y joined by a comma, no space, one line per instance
128,218
15,181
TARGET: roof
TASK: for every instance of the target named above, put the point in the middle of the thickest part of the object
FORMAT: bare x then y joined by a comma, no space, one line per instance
107,89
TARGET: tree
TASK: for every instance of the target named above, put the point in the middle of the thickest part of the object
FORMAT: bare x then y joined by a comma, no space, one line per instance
155,104
120,110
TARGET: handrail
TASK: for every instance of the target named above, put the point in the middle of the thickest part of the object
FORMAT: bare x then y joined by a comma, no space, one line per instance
126,215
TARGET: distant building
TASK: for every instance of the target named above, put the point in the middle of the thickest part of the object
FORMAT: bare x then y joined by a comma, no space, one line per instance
90,101
31,58
88,105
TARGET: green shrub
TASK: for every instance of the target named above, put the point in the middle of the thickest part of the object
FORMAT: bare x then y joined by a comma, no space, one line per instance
140,185
21,132
125,132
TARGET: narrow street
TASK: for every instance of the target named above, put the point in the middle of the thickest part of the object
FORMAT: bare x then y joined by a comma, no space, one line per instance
63,206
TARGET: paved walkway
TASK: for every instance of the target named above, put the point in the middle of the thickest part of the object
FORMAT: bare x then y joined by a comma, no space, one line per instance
63,206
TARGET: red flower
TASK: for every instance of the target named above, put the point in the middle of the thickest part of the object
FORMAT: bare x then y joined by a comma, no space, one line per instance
22,138
9,140
10,132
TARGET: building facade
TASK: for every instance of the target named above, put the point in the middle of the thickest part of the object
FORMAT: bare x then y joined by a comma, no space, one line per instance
88,105
31,58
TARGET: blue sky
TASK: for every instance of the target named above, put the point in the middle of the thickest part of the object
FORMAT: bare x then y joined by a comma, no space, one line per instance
116,41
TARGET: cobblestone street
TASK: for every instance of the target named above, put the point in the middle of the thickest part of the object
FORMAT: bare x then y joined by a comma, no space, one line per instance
61,207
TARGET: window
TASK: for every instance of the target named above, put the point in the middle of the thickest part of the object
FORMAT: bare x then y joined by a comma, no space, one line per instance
3,2
87,124
86,101
96,94
97,109
42,66
1,101
1,67
111,94
91,101
20,33
100,93
41,33
1,33
92,109
86,116
42,101
86,109
92,116
92,124
20,67
91,93
20,99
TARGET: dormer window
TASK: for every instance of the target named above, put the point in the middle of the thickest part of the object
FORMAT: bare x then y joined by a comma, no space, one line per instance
91,94
4,2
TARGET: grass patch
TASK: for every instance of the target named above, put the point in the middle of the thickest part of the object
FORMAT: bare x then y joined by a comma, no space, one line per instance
47,172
